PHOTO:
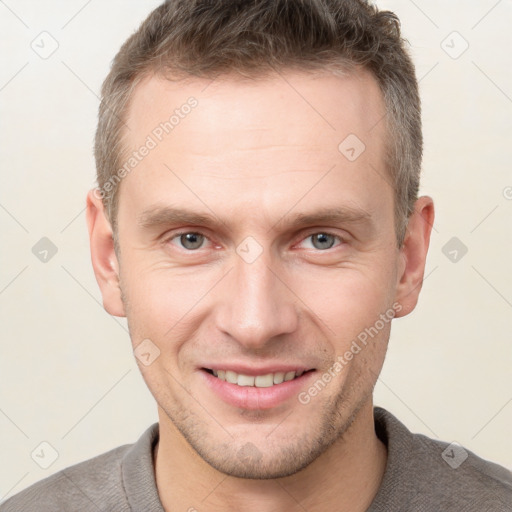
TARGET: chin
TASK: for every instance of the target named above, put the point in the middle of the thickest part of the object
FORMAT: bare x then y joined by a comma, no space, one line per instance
249,462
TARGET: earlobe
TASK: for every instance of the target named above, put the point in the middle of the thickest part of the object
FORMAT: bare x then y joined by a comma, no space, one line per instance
413,255
103,256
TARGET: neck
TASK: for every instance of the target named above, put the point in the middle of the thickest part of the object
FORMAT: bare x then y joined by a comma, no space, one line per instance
345,477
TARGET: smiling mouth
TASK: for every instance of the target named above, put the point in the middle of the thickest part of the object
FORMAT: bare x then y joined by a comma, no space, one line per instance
259,381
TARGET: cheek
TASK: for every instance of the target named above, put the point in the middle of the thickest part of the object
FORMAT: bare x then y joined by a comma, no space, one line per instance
161,318
162,302
345,300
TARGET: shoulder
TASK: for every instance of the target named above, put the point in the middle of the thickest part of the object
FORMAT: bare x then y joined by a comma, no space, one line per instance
83,486
460,478
120,480
433,475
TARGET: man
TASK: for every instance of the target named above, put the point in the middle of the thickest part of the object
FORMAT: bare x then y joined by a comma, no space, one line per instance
257,221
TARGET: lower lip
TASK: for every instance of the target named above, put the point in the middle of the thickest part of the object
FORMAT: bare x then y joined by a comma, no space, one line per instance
253,398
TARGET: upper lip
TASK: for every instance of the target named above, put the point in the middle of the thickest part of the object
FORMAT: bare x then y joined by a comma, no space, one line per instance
257,370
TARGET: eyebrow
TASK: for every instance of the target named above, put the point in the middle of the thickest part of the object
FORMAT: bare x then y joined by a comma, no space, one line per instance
156,216
339,215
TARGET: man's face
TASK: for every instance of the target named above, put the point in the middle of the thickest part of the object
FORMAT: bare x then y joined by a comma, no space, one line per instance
259,286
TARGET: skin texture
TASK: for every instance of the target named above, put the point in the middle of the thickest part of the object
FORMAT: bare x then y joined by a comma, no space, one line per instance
253,154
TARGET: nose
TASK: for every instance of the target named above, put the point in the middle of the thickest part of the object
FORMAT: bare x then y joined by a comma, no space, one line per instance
256,305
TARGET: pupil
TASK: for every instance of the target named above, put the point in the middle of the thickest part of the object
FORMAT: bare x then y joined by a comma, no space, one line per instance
324,240
191,240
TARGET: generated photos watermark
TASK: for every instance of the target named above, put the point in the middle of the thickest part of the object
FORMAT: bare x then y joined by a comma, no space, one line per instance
357,345
156,136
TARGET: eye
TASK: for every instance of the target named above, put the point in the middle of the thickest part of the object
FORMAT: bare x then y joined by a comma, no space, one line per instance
322,241
189,240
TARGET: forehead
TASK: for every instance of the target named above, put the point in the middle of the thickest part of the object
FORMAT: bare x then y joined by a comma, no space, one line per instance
263,140
316,105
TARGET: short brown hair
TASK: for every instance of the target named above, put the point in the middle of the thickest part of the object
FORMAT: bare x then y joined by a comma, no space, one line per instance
206,38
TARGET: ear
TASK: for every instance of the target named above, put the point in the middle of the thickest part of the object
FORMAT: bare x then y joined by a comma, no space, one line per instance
103,256
413,255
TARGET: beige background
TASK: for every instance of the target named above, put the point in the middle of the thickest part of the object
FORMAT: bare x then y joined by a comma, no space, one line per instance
68,376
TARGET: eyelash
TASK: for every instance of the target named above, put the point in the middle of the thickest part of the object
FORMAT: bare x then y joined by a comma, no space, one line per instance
180,233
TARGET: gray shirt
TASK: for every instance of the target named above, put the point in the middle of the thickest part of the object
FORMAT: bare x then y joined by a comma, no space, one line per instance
422,475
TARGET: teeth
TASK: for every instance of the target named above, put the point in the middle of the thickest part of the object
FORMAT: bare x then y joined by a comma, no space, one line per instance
278,377
245,380
264,381
231,377
289,376
260,381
